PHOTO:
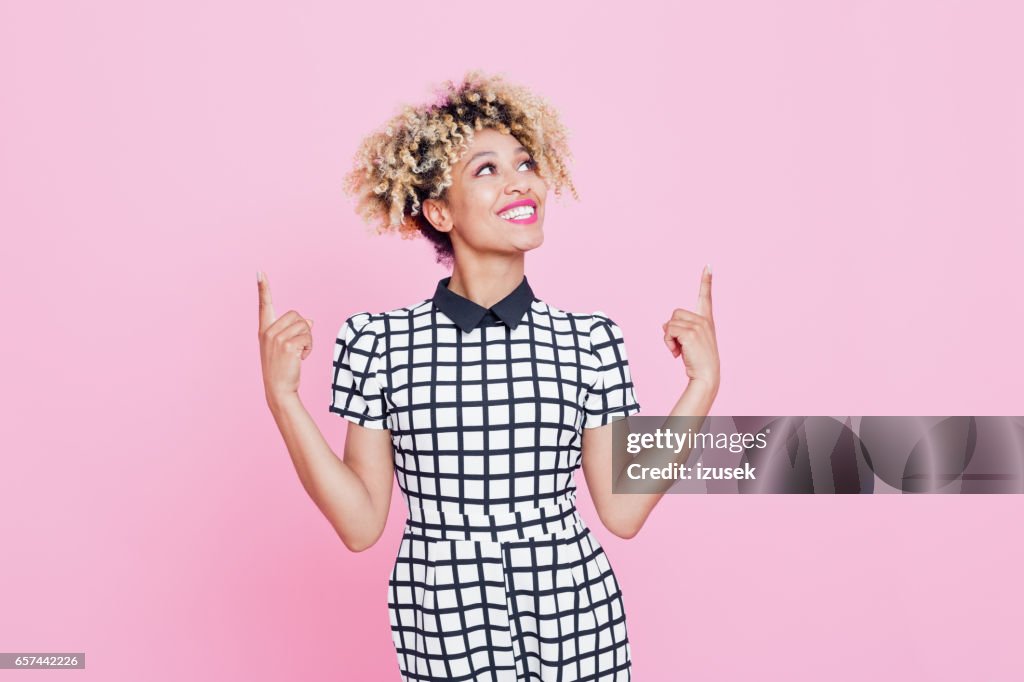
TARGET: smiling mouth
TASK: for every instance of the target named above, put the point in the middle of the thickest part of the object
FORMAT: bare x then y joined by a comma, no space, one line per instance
522,215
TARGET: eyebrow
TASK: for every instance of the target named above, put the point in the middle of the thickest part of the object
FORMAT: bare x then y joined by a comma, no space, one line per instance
479,154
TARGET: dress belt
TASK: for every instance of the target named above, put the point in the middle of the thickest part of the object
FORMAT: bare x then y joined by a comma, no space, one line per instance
529,522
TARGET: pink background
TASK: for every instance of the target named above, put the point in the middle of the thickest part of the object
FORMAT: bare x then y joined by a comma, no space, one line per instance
852,171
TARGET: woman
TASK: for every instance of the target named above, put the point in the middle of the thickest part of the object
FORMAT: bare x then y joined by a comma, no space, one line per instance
483,400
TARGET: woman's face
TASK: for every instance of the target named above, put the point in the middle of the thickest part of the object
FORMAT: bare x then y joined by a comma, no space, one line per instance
496,172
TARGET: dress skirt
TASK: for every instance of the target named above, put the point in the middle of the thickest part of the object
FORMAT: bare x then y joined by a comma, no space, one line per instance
523,596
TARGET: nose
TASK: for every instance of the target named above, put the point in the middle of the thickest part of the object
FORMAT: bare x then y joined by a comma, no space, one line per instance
519,184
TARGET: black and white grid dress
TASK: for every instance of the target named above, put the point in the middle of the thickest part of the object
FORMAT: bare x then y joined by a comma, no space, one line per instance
497,577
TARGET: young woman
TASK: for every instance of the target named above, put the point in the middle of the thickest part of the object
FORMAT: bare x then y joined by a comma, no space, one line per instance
483,400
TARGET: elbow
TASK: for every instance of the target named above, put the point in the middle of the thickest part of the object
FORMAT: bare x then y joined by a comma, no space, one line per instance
359,543
624,529
356,546
627,533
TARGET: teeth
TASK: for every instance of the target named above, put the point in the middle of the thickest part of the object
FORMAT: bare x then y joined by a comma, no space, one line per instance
517,212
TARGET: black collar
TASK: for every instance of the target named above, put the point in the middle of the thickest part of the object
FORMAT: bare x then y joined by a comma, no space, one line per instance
469,315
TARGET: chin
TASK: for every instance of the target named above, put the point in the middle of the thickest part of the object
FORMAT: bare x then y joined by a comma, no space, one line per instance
532,243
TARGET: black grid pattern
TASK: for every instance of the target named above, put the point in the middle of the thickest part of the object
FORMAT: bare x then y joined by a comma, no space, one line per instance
497,577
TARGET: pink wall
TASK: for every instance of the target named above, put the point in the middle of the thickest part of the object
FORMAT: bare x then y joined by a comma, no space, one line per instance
854,172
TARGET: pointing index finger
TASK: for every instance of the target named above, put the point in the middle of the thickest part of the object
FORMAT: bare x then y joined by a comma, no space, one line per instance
704,297
267,316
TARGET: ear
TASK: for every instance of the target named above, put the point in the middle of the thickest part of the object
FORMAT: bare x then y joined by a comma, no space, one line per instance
437,213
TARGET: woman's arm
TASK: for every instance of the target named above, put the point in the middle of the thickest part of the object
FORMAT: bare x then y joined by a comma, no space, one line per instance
624,514
692,337
354,494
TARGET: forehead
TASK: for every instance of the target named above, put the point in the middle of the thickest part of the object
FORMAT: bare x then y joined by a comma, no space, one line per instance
490,140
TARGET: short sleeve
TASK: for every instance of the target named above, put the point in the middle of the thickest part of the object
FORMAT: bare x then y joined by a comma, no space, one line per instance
356,389
612,396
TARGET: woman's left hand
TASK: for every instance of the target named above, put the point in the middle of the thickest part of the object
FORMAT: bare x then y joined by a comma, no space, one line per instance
692,335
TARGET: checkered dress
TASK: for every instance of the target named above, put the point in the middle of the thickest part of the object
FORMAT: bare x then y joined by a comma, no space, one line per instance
497,577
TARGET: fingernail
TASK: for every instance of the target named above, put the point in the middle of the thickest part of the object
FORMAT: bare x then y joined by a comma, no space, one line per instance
708,266
259,276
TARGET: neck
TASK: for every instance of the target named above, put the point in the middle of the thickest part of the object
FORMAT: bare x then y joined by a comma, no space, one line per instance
487,281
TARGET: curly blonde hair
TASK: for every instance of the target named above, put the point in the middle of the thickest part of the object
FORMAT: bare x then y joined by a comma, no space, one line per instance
409,159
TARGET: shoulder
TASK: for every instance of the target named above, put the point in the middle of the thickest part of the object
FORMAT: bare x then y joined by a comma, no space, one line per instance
594,329
585,322
384,322
604,332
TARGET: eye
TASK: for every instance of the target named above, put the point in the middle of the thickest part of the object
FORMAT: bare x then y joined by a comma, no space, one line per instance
533,165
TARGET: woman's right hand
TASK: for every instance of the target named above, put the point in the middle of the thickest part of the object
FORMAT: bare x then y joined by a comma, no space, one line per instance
284,343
